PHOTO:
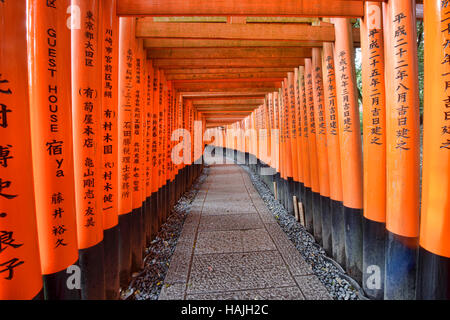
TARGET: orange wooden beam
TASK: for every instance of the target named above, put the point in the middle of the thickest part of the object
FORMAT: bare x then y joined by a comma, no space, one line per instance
225,76
243,80
243,94
235,63
226,70
224,43
221,53
216,86
146,28
226,107
298,8
230,101
227,112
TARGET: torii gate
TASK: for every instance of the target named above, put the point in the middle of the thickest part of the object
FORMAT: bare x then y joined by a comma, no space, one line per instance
95,126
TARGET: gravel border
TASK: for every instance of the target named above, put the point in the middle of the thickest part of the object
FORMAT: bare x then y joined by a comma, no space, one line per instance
147,283
339,284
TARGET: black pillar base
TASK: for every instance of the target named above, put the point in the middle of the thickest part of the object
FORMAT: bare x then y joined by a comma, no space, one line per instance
55,286
374,244
92,272
317,216
136,240
327,238
309,216
401,265
353,242
125,222
338,232
433,278
111,258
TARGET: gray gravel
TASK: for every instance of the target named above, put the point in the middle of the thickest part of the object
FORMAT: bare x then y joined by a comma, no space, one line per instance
330,273
147,284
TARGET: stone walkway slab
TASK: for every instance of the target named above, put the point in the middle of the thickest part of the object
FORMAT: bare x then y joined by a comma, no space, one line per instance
231,247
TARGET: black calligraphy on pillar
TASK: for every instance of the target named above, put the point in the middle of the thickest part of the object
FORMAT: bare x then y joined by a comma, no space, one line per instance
127,128
375,85
445,76
305,109
7,239
109,117
89,134
343,65
331,76
319,94
312,123
400,76
292,95
89,50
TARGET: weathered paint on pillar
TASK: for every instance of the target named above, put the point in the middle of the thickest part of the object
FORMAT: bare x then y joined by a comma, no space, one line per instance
350,145
313,159
434,252
334,156
125,122
374,129
402,148
306,150
51,124
86,103
322,150
20,268
109,38
136,149
298,119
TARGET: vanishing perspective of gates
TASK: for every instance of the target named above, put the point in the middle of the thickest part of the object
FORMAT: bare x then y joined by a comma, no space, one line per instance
106,107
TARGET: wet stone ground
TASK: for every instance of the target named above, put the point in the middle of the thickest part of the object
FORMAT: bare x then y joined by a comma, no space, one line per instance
328,271
147,284
151,281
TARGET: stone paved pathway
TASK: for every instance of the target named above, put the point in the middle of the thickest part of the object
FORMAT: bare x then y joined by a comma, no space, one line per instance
231,247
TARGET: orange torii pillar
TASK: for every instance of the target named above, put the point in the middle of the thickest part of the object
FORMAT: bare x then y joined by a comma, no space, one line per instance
125,123
277,146
402,149
155,149
20,267
172,193
290,98
51,124
144,78
297,98
322,149
434,251
152,223
163,131
334,156
350,145
110,149
87,111
374,128
160,165
165,128
291,168
316,213
146,157
307,195
270,170
283,166
136,149
267,171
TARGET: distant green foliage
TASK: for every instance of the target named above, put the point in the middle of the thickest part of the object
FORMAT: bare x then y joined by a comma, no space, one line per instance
420,37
